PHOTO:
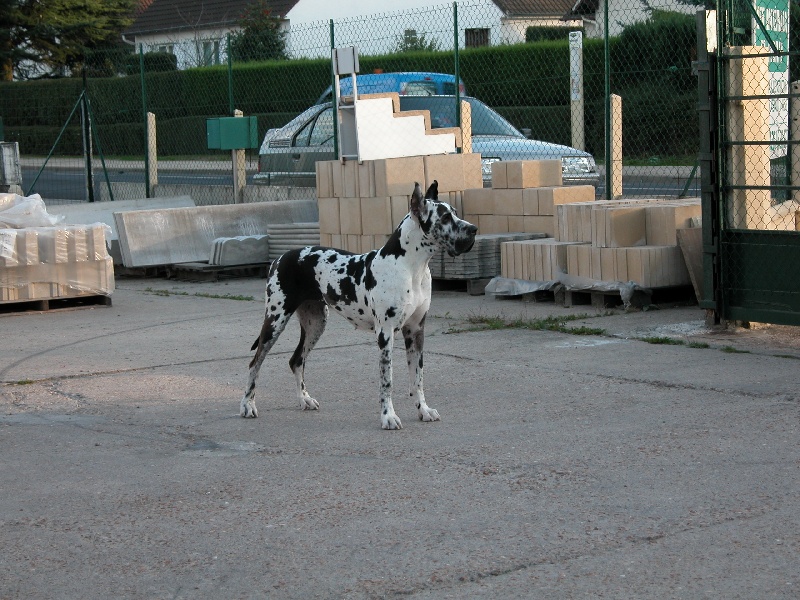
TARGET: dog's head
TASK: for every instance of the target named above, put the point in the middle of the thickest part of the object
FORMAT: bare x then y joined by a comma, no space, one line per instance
440,223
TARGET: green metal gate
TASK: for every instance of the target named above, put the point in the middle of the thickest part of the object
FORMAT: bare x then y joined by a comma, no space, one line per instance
751,163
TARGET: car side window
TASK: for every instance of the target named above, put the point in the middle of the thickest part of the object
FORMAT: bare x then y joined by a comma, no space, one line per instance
301,137
322,133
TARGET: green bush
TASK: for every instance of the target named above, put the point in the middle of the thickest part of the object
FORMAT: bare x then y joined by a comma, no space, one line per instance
535,34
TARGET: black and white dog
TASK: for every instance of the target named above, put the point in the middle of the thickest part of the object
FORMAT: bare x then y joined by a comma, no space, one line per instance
384,291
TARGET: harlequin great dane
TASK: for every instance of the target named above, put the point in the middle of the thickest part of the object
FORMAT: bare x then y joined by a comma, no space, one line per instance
384,291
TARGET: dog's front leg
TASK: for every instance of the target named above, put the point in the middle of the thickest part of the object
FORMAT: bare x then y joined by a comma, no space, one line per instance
389,420
414,336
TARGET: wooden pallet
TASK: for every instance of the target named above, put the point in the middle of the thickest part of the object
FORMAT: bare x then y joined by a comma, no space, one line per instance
663,295
199,271
474,287
47,304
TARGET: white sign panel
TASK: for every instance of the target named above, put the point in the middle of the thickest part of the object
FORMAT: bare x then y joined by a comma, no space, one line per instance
774,14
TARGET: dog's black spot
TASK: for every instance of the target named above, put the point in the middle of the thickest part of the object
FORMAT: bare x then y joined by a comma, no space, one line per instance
408,342
355,270
348,287
420,360
332,258
331,295
361,311
297,278
391,312
393,247
369,280
297,358
383,342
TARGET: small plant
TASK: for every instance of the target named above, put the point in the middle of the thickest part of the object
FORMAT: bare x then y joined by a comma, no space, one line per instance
792,356
199,295
484,322
732,350
667,341
698,345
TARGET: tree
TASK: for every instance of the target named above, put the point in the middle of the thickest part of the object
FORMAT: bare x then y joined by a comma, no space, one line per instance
261,37
412,42
40,37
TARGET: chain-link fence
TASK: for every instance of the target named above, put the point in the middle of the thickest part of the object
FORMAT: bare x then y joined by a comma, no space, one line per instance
563,79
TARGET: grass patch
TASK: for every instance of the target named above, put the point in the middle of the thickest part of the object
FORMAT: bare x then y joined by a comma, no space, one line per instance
199,295
663,340
495,322
698,345
24,382
732,350
792,356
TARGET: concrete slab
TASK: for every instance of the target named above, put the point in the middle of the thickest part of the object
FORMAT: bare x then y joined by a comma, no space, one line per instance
172,236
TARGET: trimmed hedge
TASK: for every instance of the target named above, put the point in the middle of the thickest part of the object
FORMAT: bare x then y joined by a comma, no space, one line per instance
651,70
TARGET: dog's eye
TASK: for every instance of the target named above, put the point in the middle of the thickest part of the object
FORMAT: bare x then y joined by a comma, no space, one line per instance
446,218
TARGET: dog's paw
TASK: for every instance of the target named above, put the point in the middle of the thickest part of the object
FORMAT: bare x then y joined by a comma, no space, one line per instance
248,409
308,403
426,413
391,421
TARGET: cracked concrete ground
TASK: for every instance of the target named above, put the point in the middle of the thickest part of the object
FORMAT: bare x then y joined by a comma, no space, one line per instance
565,466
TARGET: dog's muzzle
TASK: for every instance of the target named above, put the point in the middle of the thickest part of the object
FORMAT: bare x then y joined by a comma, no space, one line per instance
464,244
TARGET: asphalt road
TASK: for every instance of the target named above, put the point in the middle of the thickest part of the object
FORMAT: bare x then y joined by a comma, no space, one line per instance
564,466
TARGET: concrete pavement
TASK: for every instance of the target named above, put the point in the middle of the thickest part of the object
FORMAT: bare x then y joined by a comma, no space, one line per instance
565,466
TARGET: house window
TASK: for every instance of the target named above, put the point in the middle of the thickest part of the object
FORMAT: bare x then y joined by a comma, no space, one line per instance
210,53
166,48
475,38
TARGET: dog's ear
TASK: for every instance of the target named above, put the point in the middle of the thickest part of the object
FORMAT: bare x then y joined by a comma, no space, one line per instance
417,202
433,191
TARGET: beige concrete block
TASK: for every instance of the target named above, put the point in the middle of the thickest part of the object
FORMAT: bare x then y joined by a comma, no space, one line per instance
663,221
499,180
376,216
533,173
478,201
337,241
621,264
380,240
350,216
530,202
574,222
447,170
519,267
584,252
473,171
396,176
367,243
516,223
324,174
507,202
539,224
352,243
504,251
329,217
572,259
608,264
550,197
597,270
400,206
618,227
366,179
457,202
350,174
337,179
325,240
492,224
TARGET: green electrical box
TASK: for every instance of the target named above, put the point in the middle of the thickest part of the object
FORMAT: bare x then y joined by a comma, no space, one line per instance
232,133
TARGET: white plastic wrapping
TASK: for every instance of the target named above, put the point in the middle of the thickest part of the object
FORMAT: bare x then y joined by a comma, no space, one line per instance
55,262
18,212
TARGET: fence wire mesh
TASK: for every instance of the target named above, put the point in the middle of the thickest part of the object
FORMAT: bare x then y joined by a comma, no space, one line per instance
522,68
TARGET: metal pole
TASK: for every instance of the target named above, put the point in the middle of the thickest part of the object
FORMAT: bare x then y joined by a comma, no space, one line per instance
607,54
146,129
86,131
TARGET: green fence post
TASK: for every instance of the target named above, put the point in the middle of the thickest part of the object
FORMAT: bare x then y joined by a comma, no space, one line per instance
144,118
231,105
456,68
333,90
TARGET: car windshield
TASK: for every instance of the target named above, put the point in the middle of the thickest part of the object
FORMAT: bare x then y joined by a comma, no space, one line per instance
485,121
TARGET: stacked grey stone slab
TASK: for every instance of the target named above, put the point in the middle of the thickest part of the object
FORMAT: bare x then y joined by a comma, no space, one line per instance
290,236
239,250
183,235
479,263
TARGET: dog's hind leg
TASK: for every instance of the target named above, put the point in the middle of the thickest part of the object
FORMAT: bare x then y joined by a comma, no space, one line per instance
313,315
414,336
274,323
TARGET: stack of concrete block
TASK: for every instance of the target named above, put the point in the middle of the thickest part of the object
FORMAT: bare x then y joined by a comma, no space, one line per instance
361,204
633,240
481,262
522,198
239,250
41,263
534,260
